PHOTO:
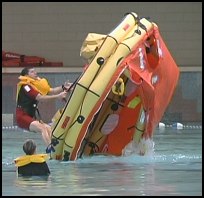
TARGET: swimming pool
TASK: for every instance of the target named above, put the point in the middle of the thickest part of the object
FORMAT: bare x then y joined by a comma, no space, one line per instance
175,169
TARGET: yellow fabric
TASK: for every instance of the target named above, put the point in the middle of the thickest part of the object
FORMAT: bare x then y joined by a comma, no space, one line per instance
119,87
27,159
134,102
91,45
56,117
41,84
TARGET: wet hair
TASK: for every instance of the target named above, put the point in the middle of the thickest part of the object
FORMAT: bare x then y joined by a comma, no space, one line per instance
25,71
29,147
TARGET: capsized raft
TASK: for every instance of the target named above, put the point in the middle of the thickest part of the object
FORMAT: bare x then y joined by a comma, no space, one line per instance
122,94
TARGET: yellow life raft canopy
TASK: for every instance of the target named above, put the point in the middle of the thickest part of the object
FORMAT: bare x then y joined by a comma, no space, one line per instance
91,45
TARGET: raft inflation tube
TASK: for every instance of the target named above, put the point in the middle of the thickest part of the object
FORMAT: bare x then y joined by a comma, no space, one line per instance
140,126
72,114
106,120
99,89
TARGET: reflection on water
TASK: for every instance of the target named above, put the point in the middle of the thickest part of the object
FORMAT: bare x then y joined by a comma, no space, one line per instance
174,169
32,181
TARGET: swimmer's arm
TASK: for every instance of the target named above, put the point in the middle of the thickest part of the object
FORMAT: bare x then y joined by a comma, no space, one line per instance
55,90
61,95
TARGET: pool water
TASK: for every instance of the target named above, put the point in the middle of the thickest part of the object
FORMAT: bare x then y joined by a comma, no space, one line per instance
175,169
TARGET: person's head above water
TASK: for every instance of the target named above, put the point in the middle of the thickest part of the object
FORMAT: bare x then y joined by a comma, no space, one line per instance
29,147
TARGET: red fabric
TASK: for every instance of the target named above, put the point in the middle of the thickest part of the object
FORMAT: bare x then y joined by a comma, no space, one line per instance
11,63
32,93
156,96
23,120
155,86
9,56
10,59
123,133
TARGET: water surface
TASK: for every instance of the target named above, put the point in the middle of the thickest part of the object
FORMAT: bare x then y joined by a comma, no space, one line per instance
175,169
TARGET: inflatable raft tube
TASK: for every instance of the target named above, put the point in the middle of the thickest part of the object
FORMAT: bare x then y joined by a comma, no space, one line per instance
82,86
119,119
105,120
99,90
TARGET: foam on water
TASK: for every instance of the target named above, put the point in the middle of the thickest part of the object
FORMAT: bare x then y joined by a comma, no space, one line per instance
136,159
